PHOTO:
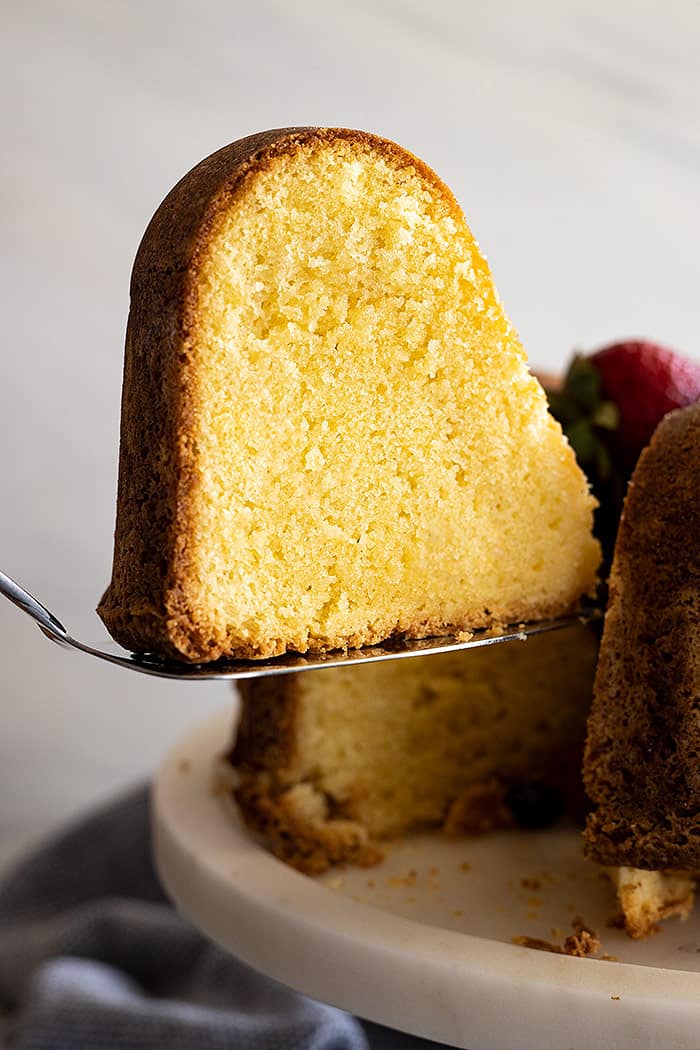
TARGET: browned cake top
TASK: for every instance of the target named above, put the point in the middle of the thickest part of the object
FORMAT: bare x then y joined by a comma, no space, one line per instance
642,767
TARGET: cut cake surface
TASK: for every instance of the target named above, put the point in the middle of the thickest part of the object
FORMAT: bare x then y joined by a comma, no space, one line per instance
331,763
329,432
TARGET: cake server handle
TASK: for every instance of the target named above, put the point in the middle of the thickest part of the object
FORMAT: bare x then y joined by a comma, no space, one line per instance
48,623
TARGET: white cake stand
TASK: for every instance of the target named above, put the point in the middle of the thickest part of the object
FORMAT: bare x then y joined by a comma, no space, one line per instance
422,943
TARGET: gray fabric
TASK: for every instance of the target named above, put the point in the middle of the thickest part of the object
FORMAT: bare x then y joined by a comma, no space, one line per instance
92,956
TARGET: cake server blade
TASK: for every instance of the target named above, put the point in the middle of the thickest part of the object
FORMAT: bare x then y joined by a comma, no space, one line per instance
236,670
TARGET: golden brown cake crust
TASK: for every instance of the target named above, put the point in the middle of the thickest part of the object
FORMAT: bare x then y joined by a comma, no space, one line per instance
266,732
642,768
309,846
271,802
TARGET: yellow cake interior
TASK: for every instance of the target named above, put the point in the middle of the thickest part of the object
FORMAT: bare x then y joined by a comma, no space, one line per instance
341,756
373,439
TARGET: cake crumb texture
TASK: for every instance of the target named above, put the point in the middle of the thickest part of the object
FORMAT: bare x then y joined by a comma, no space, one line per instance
329,432
331,764
583,943
647,897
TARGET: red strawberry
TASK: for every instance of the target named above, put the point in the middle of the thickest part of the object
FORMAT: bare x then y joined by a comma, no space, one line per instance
609,405
645,381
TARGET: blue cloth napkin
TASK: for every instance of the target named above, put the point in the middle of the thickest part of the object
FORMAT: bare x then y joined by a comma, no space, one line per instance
93,956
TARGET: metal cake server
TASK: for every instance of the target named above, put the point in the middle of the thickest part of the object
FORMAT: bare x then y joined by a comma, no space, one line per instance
394,649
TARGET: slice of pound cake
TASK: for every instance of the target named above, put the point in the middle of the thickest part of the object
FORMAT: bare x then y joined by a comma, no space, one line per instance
329,431
642,759
329,763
